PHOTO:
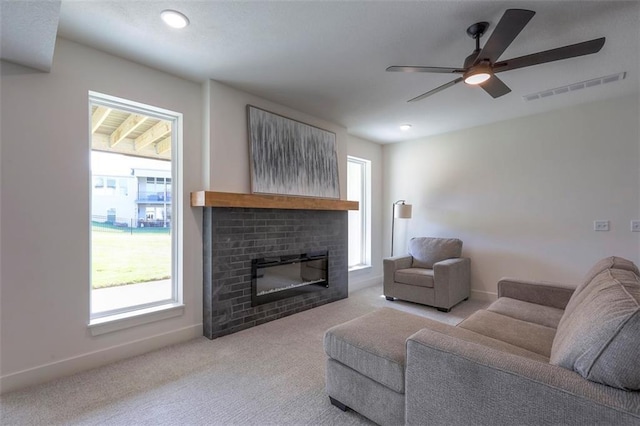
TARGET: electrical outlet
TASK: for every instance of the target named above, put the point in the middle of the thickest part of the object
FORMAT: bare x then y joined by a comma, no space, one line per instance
600,225
635,226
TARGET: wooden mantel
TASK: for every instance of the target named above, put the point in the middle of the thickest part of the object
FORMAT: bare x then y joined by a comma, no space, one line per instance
260,201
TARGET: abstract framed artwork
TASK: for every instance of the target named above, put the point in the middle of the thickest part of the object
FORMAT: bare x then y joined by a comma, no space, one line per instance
288,157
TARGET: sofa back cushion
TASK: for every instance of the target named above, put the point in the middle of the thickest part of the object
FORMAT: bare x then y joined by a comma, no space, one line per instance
428,251
611,262
600,338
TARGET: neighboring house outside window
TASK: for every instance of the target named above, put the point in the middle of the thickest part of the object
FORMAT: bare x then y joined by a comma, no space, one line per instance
135,263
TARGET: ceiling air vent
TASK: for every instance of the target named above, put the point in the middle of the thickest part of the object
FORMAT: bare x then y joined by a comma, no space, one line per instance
575,86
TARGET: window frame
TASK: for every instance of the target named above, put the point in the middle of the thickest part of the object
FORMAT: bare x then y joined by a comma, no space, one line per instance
365,212
130,316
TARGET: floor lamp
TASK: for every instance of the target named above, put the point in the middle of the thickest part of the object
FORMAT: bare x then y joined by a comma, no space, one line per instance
400,211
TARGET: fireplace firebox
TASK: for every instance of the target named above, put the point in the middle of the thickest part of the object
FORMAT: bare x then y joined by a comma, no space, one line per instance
281,277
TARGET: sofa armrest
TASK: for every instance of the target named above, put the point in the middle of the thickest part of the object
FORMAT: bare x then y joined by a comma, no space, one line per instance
398,262
451,281
452,380
389,267
556,295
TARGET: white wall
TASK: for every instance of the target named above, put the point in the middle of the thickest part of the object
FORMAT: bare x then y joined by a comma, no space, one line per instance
523,194
45,211
229,143
371,151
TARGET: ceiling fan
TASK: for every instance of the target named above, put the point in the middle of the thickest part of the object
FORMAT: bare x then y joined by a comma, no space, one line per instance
480,68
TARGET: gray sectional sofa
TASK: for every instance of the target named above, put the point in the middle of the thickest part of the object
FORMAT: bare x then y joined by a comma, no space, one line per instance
541,354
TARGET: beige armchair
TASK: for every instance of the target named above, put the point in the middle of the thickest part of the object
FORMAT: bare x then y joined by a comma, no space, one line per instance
433,273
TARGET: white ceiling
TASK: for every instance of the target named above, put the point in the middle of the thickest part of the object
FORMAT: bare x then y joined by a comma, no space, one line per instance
28,30
328,58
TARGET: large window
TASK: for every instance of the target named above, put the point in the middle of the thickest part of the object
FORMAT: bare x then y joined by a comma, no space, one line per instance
134,226
359,189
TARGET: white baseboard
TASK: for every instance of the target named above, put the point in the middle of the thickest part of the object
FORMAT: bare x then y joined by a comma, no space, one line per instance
355,285
76,364
485,296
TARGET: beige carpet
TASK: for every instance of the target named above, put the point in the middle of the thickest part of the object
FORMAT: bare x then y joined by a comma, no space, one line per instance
272,374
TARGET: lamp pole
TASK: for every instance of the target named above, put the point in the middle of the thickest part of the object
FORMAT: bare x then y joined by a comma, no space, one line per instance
393,224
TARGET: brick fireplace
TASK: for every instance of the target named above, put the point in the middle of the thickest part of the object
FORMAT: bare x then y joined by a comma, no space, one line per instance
233,237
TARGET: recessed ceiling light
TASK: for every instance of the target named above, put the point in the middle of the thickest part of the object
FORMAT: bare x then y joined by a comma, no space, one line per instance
405,127
174,19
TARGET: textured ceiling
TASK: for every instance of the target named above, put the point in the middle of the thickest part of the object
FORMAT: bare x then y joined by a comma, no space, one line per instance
28,31
328,59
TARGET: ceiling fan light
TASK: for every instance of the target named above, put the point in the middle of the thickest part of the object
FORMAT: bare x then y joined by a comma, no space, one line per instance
477,77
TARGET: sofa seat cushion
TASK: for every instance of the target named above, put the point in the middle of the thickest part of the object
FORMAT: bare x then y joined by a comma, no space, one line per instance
600,339
527,335
415,276
374,344
428,251
525,311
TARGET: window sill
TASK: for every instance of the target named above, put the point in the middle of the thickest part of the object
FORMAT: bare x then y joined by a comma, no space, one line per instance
117,322
359,268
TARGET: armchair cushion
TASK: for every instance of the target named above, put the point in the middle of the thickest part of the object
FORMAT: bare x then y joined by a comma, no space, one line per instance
415,276
428,251
599,339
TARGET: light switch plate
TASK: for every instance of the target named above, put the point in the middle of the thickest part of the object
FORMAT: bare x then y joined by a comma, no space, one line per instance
600,225
635,226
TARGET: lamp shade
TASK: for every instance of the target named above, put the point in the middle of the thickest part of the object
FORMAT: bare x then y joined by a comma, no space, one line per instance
402,211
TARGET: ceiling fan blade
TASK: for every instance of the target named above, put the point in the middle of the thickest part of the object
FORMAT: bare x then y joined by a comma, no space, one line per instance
440,70
512,22
495,87
566,52
436,90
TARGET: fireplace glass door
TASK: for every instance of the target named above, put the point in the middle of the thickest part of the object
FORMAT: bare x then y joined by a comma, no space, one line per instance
280,277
